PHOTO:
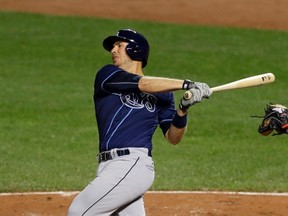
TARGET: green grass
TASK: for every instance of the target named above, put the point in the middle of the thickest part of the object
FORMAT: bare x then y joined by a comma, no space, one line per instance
48,132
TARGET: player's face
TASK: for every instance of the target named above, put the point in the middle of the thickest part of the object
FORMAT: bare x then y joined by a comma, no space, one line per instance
119,55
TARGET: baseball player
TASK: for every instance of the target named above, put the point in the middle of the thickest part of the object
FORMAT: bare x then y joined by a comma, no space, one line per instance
129,106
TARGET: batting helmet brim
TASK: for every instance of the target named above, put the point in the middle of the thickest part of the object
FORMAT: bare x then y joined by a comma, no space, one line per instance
109,42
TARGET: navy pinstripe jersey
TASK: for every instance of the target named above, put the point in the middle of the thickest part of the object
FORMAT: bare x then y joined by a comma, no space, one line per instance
125,116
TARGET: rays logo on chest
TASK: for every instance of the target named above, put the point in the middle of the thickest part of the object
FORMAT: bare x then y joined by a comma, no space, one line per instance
139,101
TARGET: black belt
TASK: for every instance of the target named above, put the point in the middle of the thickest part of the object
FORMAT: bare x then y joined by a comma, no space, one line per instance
105,156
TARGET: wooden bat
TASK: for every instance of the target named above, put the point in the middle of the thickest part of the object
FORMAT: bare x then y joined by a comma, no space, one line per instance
257,80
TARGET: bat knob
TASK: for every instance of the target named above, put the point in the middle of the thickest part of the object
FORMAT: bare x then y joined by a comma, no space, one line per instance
187,95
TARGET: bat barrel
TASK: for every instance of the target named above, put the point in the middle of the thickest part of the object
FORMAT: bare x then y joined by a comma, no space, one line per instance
257,80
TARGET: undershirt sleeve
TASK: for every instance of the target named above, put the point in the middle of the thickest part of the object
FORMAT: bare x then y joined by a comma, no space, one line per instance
111,79
122,81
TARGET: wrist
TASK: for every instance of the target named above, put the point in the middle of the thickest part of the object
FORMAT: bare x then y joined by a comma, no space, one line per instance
180,121
187,84
181,112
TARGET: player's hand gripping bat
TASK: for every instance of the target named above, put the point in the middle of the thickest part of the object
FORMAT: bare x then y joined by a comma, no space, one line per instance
257,80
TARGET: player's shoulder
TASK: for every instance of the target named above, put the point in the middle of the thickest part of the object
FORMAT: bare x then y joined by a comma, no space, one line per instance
107,71
109,68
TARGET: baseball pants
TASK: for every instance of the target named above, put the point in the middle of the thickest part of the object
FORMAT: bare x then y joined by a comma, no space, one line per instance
118,187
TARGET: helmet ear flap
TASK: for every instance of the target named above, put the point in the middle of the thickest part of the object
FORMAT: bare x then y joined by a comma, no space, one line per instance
134,51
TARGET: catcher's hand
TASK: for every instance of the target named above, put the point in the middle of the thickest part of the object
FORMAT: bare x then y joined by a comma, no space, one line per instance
276,118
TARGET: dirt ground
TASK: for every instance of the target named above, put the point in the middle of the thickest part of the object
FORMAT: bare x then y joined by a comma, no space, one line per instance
157,204
265,14
262,14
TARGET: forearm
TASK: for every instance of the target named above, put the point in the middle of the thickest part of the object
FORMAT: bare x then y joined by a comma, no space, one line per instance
158,84
176,132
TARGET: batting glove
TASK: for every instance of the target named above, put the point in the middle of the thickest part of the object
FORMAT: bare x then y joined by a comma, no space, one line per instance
205,91
199,91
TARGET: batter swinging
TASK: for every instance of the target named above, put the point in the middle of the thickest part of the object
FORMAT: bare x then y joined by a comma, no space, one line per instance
129,106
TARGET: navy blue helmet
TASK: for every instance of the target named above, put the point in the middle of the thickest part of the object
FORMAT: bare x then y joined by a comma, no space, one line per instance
137,48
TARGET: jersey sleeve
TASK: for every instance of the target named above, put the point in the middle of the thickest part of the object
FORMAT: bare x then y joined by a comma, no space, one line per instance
167,112
111,79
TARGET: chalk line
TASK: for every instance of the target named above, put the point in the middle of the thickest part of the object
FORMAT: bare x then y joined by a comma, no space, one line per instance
72,193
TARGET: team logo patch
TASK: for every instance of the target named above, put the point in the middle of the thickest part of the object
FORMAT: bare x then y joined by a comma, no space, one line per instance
139,101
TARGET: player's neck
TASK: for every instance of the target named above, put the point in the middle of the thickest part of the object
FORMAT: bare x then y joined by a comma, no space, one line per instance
134,68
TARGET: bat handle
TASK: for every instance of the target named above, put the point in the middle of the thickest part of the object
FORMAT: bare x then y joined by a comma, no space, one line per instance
187,95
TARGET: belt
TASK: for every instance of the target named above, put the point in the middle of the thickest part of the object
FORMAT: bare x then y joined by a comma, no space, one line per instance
109,155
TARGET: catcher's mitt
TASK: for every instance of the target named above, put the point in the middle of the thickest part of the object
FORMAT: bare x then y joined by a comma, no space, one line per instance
276,118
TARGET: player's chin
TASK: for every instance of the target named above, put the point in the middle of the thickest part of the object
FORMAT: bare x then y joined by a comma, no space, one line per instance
115,62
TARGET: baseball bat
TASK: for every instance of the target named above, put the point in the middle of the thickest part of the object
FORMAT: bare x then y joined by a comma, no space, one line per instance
251,81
